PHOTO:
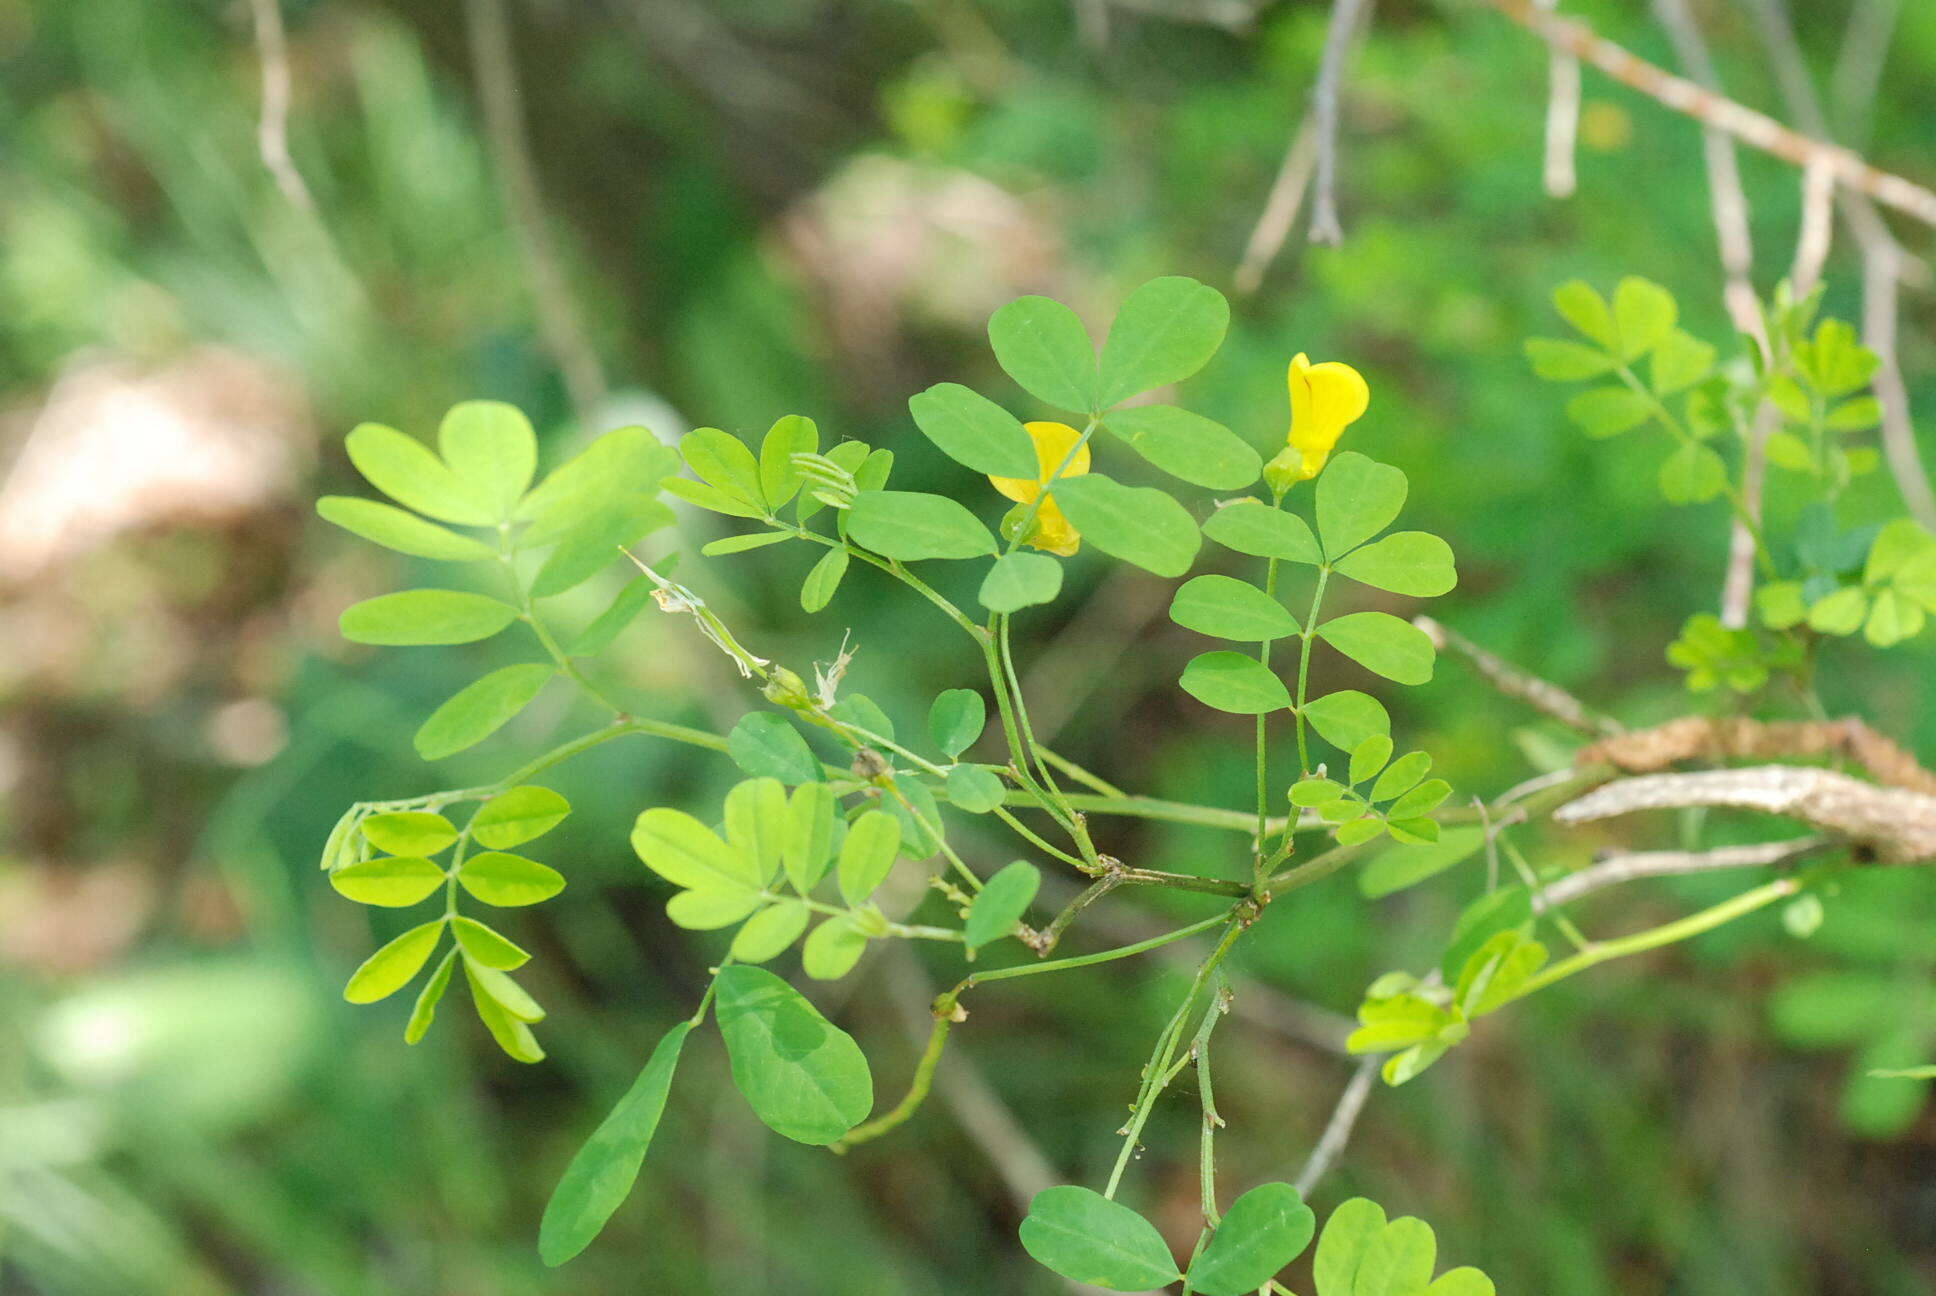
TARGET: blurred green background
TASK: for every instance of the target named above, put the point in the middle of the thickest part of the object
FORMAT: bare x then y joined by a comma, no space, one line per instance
759,207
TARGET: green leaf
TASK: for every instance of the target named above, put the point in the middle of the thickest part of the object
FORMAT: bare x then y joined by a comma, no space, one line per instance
391,968
480,709
1781,605
1858,415
1166,330
406,470
770,932
1382,644
409,832
1692,474
790,435
425,616
1644,314
1043,346
974,431
1558,360
625,463
1465,1281
1085,1237
1421,800
713,906
509,881
832,950
722,461
491,449
756,823
594,543
404,532
712,498
1399,1260
1356,499
512,1035
508,994
486,946
1347,1236
1359,830
1369,756
766,745
687,853
808,848
910,525
1001,904
1680,361
1138,524
1264,1230
1253,527
1230,609
1586,311
392,881
956,719
1346,718
867,856
605,628
1892,618
1019,580
1841,612
1401,776
804,1076
1234,682
823,579
1189,446
602,1173
518,815
1609,411
424,1011
975,788
1416,563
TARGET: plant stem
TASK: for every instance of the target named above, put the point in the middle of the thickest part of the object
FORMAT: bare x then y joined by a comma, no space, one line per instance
917,1089
1304,666
1081,960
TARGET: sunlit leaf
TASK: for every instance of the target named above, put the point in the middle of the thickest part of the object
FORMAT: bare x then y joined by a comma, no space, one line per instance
1187,445
1002,902
867,856
404,532
1383,644
491,449
769,933
909,525
1085,1237
687,853
1234,682
391,968
487,946
425,616
518,815
410,473
1166,330
509,880
1044,347
409,832
1227,608
393,881
974,431
480,709
804,1076
1138,524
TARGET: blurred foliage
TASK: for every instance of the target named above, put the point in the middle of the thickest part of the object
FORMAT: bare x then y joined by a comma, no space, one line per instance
808,206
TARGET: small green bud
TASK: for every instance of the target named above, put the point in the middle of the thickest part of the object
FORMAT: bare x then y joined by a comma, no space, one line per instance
869,921
787,689
1284,471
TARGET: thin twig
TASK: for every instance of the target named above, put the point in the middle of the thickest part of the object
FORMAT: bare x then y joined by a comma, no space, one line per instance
1337,1131
1858,68
1632,865
1346,18
272,131
1515,683
1562,119
565,333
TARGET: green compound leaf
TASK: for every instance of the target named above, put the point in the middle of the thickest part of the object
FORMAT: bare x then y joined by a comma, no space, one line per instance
1234,682
602,1173
410,473
1001,904
1138,524
506,993
1415,563
391,968
1166,330
1465,1281
1190,446
1347,1236
409,832
1383,644
956,719
518,815
1227,608
722,461
1644,314
1264,1230
509,881
490,449
480,709
833,949
392,881
823,579
1680,361
1693,474
486,946
1401,776
779,478
1398,1259
974,431
1253,527
424,1011
766,745
1609,411
756,812
593,543
804,1076
1346,718
1019,580
711,907
910,525
975,788
425,616
1587,311
393,528
1404,866
1085,1237
1841,612
770,932
1558,360
1356,499
808,848
1044,347
623,463
687,853
512,1034
867,856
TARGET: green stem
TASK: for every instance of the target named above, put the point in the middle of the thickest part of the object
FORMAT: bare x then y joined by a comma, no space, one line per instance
1304,667
917,1089
1081,960
1263,743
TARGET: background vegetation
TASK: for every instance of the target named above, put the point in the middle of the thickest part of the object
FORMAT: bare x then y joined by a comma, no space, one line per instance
753,209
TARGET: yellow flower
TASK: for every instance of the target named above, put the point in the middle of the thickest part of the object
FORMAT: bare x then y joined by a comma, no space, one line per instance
1053,441
1325,399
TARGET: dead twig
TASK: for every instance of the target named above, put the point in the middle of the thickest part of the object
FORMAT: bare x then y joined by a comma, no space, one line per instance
1347,17
1337,1131
1633,865
1515,683
1711,740
1562,119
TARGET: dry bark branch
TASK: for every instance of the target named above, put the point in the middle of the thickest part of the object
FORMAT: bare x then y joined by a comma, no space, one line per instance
1347,18
1634,865
1710,740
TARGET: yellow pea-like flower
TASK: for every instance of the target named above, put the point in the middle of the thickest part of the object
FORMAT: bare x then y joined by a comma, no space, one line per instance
1054,533
1325,399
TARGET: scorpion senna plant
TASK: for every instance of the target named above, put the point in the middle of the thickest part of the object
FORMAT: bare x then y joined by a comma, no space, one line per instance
834,800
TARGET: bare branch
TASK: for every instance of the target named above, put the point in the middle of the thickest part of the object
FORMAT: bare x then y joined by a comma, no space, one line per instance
1516,683
1710,740
1634,865
272,132
1562,119
1347,17
1858,68
1337,1131
1756,129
